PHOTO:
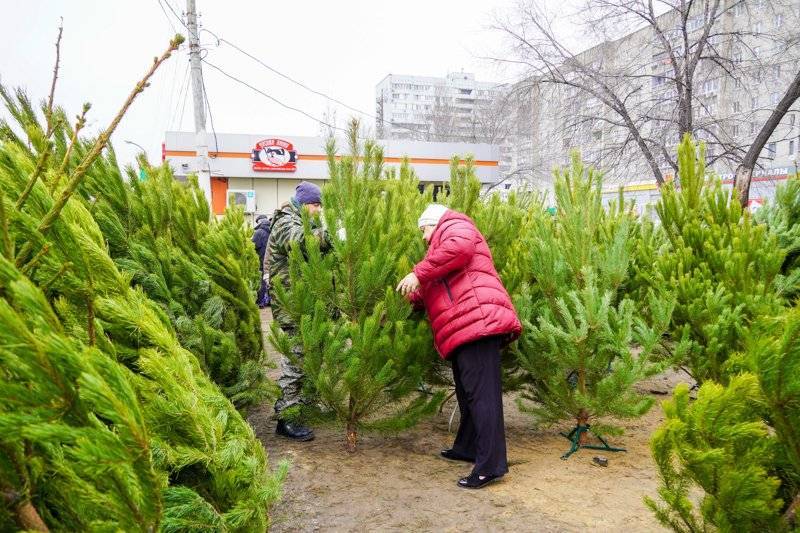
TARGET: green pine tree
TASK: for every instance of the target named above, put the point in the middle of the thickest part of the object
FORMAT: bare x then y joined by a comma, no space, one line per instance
116,408
738,444
203,272
723,268
720,445
364,358
75,448
578,328
782,217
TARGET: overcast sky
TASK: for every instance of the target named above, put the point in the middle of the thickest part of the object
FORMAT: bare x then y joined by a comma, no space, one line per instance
341,48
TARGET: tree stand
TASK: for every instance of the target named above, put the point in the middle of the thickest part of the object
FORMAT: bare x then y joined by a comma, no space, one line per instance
578,437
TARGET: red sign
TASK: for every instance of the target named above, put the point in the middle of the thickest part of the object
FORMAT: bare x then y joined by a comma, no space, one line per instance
274,155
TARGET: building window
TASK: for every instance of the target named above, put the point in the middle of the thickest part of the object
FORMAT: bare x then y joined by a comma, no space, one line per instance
791,147
694,23
754,102
753,128
771,149
791,120
710,86
776,72
757,27
735,130
775,98
737,107
778,20
738,9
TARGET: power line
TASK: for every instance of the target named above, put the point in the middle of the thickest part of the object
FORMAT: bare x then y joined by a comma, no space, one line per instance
183,102
169,20
289,78
180,19
307,88
259,91
181,87
210,116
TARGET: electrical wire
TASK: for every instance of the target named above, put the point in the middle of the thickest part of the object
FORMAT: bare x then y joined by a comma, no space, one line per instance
169,20
183,105
259,91
174,117
285,76
210,116
180,19
309,89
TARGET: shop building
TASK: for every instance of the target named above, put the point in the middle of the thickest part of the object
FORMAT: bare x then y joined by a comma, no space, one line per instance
261,171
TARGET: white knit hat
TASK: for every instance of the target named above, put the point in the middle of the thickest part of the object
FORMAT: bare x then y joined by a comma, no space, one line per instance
432,214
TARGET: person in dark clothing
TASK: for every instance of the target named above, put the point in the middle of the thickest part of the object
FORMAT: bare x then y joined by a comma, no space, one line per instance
472,317
260,238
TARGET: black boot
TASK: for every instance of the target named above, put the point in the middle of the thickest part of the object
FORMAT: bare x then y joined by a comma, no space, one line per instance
294,431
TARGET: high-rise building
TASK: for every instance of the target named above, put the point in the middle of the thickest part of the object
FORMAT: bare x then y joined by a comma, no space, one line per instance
458,108
736,88
427,108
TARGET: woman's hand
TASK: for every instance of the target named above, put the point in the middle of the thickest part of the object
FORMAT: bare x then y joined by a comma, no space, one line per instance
408,284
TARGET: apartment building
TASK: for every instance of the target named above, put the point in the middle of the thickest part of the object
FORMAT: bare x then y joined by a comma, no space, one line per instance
459,108
760,50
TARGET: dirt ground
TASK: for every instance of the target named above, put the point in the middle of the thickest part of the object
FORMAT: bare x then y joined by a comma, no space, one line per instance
399,482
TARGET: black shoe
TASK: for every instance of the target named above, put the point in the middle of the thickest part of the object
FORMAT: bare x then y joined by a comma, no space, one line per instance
455,456
474,481
294,431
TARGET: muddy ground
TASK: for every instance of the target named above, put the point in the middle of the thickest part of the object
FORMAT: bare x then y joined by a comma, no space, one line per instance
399,482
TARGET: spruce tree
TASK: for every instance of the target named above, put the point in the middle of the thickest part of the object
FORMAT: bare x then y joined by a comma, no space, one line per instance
364,359
578,329
723,268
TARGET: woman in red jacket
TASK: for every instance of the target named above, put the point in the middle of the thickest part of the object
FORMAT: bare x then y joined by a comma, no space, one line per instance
472,317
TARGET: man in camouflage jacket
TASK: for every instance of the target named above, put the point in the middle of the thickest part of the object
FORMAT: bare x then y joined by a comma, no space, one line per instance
287,230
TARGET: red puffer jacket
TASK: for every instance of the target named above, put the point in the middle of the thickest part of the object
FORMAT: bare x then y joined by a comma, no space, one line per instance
460,288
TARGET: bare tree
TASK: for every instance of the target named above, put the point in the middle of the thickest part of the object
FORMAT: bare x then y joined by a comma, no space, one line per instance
744,173
661,69
442,118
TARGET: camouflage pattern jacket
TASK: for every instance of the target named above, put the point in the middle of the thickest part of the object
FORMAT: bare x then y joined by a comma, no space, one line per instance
287,229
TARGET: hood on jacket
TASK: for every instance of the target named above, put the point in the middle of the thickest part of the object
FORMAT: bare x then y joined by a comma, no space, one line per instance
262,222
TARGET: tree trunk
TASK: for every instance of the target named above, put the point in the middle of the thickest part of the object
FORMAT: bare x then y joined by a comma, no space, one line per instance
744,173
352,430
352,437
25,514
791,513
583,420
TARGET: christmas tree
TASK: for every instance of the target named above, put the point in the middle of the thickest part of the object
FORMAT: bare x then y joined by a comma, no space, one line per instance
737,443
782,217
201,271
578,329
109,421
723,268
364,359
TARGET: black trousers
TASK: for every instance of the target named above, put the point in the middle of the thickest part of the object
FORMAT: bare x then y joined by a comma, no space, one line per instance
481,432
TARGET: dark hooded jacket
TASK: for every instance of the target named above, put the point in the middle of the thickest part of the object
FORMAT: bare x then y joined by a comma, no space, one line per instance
260,237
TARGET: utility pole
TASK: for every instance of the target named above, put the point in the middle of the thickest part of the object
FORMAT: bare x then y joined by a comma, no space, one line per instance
202,165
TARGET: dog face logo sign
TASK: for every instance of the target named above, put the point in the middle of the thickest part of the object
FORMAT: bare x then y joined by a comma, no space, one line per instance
274,155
